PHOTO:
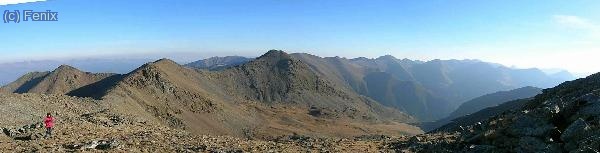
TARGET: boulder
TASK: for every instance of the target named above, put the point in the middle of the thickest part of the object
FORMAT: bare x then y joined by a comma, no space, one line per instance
592,109
91,145
5,131
532,144
575,131
589,98
72,146
9,132
481,149
530,126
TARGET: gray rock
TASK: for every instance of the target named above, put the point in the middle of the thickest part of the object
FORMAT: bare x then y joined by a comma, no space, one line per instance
532,144
22,130
72,146
554,109
9,132
481,149
590,110
575,131
104,145
91,145
589,144
589,98
530,126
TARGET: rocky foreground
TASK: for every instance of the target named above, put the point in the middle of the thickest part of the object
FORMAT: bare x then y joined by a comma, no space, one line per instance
562,119
86,125
137,137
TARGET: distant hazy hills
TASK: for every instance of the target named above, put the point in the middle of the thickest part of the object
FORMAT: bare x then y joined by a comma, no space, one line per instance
493,99
483,107
427,90
217,63
60,81
9,72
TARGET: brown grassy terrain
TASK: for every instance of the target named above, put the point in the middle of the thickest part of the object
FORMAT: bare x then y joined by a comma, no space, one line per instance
273,103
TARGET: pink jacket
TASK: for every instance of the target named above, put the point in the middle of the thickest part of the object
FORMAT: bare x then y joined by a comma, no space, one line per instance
49,121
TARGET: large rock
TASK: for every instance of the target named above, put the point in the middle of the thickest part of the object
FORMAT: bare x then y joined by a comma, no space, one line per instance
589,98
481,149
9,132
592,109
575,131
530,126
532,144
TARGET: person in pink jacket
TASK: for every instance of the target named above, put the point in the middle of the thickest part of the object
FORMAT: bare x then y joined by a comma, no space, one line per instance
49,121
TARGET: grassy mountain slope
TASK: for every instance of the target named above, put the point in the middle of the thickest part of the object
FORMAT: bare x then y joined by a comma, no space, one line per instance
384,87
60,81
272,95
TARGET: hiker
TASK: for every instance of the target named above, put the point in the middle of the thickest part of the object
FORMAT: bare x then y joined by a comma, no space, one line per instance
49,121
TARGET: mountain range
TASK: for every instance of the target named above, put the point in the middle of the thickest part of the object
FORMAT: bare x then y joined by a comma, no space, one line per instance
274,94
426,90
9,72
292,99
220,91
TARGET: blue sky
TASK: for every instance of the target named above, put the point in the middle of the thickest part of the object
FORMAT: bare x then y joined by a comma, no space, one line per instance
522,33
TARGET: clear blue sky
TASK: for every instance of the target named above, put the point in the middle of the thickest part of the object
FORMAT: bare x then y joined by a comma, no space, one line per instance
523,33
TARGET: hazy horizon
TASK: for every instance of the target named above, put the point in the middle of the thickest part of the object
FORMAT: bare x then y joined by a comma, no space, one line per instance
526,34
184,58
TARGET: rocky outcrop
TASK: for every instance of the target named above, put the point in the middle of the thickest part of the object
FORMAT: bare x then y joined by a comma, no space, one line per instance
561,119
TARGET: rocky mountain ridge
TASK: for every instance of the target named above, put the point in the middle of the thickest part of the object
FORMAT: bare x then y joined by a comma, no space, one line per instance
62,80
274,93
561,119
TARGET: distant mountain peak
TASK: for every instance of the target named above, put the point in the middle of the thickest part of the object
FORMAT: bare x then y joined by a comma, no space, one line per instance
66,68
275,54
160,64
62,80
387,57
165,61
219,63
360,58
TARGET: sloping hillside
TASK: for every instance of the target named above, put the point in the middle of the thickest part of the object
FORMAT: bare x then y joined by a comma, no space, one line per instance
481,115
272,95
457,81
464,113
384,87
24,83
427,90
407,96
494,99
561,119
62,80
